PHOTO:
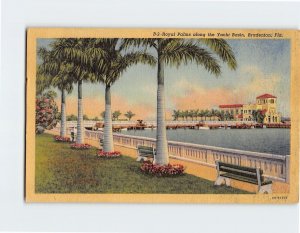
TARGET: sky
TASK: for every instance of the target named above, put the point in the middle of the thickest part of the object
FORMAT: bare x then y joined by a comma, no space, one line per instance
263,67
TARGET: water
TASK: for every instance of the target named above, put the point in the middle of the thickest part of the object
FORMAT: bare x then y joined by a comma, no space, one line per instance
275,141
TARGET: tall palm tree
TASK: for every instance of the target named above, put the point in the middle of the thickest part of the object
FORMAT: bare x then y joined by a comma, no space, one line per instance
109,62
54,72
75,52
176,52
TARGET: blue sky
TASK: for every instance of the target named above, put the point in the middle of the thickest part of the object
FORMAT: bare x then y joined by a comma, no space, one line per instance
263,67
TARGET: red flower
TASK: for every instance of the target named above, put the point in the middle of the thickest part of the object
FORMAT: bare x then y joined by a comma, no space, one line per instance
113,154
61,139
78,146
162,170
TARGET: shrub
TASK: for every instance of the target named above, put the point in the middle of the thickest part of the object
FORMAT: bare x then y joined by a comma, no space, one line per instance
162,170
78,146
103,154
61,139
46,111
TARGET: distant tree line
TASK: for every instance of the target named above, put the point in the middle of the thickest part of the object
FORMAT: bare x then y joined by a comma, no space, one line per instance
196,114
115,116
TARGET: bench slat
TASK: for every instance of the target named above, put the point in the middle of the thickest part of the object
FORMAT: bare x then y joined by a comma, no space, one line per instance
238,172
143,150
249,169
241,178
144,147
147,155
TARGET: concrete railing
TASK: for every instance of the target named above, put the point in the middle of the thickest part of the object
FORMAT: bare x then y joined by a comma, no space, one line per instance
274,166
91,123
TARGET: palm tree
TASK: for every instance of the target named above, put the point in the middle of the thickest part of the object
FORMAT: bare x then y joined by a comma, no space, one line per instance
222,115
85,117
217,114
176,114
209,114
201,114
72,117
196,112
54,72
109,61
190,114
116,114
186,114
43,82
95,118
129,114
181,114
75,52
175,52
206,114
227,116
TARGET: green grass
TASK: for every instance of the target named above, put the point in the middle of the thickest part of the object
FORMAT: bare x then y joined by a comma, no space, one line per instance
59,169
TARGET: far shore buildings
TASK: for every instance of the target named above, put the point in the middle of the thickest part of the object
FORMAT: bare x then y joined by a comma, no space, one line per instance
267,103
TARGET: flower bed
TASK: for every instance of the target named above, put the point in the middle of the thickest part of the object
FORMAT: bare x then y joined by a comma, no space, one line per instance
162,170
62,139
103,154
78,146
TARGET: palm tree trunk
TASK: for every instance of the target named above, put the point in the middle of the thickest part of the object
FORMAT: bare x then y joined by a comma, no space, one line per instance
108,143
161,157
80,128
63,126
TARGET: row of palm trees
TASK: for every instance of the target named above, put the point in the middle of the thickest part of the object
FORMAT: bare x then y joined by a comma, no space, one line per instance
72,61
115,115
195,114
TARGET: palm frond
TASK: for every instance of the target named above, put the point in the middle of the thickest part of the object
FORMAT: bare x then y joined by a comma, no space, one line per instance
177,52
137,42
43,81
223,50
123,62
167,42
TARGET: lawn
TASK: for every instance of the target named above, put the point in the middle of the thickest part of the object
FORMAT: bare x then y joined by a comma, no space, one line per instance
60,169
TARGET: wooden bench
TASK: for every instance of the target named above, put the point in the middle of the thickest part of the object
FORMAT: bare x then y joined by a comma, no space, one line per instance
145,153
226,172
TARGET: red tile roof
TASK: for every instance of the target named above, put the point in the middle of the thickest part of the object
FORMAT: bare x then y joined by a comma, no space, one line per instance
231,106
265,96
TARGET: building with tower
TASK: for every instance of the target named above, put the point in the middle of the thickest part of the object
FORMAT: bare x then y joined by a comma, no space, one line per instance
266,104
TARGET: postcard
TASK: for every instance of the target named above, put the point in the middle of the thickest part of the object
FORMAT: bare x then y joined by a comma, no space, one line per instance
162,115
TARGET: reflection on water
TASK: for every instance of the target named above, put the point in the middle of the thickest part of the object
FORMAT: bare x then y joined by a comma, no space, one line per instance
275,141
